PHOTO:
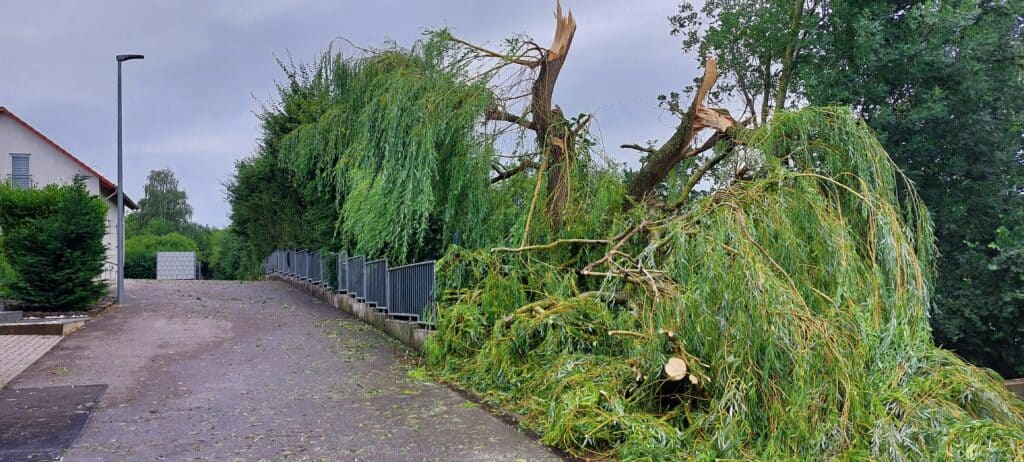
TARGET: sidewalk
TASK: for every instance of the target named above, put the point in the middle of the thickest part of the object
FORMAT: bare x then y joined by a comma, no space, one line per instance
17,352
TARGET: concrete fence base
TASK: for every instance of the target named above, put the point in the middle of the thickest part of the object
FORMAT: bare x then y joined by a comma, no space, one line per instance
409,333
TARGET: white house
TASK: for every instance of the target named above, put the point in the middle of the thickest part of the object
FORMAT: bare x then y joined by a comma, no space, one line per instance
30,159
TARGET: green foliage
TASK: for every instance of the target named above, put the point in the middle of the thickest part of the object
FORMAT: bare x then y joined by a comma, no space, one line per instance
227,260
396,127
6,272
165,210
140,252
758,46
156,226
164,199
265,209
816,351
53,244
942,83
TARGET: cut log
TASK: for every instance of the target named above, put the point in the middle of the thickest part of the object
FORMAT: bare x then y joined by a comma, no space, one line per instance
675,369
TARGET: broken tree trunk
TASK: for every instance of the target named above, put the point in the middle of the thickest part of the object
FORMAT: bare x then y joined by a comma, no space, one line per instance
679,147
549,123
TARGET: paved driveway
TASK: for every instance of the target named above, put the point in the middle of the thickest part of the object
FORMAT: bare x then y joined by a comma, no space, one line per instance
202,370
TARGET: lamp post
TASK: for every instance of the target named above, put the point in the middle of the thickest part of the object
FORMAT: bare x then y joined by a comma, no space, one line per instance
120,184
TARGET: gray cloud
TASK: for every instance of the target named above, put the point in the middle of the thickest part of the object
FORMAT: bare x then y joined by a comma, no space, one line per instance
189,106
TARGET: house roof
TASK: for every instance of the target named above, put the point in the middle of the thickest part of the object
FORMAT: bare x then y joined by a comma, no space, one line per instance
105,184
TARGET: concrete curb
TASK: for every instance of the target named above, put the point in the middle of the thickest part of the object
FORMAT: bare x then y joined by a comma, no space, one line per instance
43,327
409,333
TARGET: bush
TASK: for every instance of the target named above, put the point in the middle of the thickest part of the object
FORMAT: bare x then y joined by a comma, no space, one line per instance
6,272
140,252
140,265
53,242
226,261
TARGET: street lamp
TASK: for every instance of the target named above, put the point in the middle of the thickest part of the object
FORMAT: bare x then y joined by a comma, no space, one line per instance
120,184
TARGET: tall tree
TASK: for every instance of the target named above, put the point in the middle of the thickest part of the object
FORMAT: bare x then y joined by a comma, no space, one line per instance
164,199
758,44
942,82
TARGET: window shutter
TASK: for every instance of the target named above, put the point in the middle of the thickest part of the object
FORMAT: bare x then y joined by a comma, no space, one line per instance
19,171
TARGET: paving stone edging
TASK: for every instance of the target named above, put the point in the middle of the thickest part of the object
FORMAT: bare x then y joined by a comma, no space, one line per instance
409,333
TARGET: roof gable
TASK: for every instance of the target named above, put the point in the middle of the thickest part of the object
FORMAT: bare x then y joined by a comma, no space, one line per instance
104,182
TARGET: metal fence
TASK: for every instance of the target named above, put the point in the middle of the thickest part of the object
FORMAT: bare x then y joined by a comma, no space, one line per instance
356,282
377,282
300,265
411,292
341,263
405,292
316,267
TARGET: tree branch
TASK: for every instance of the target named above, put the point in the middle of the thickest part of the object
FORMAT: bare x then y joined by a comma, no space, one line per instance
637,147
699,173
494,54
527,248
499,114
523,166
789,56
677,148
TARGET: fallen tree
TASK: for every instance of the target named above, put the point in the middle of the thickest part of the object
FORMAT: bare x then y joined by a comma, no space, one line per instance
779,318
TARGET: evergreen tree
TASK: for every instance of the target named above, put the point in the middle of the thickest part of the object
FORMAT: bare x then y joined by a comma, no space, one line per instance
57,253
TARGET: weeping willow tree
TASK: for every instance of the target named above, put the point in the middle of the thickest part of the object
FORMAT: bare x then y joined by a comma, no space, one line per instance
390,148
779,318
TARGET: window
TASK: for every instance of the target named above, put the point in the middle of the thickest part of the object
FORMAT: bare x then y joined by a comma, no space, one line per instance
20,176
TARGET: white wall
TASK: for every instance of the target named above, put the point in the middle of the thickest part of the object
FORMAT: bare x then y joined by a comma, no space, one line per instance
47,165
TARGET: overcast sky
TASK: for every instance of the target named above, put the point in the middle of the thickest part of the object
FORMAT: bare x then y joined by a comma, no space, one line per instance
189,105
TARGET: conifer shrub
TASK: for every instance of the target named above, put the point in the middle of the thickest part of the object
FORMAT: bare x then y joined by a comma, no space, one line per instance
53,243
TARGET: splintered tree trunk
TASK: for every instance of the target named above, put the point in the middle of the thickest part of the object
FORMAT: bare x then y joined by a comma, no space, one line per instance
549,123
555,138
679,146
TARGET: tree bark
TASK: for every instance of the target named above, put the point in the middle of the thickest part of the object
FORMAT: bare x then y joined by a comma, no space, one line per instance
553,136
678,147
789,55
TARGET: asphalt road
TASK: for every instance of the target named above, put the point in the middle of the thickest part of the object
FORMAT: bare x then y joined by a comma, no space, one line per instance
203,370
